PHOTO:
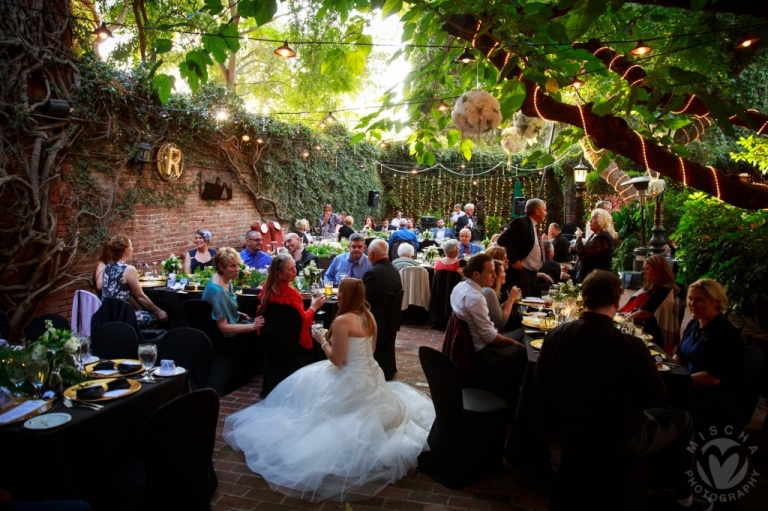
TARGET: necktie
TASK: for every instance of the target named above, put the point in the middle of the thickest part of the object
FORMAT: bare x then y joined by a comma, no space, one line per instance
466,249
352,269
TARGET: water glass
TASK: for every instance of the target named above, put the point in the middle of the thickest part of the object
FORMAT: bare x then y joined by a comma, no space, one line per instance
342,276
37,370
16,372
148,357
628,326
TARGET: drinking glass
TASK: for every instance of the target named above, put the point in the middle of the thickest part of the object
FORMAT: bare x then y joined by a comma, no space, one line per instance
37,369
328,288
16,372
554,289
547,301
147,356
84,354
628,326
317,324
342,276
274,247
154,269
523,309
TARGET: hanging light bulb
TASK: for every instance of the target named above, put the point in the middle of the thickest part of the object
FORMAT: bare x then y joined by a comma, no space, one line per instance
329,119
466,57
222,115
259,140
443,106
103,32
305,154
322,125
747,41
317,147
640,49
163,113
576,83
245,138
285,51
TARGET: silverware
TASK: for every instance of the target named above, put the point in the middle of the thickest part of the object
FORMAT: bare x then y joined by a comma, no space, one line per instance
69,403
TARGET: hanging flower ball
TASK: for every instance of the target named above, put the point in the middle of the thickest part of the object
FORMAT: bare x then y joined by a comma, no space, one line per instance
476,112
511,142
656,187
528,127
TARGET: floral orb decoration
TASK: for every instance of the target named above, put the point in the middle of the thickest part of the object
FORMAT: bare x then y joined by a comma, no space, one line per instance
511,142
656,187
526,127
476,112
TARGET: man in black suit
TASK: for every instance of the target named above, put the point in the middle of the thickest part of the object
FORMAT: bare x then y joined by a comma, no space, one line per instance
524,250
382,283
550,268
467,221
561,244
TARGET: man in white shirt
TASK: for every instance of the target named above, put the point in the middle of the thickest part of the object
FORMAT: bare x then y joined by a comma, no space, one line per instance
457,212
500,359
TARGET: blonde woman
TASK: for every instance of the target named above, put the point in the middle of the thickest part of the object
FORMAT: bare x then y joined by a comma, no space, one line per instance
597,252
302,229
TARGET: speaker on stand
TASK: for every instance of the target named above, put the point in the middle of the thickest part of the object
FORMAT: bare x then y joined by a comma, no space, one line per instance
373,199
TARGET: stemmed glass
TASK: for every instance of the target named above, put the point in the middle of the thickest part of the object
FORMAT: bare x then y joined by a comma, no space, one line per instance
154,269
16,372
37,369
148,357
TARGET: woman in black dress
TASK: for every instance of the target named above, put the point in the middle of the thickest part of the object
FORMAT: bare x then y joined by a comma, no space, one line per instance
201,256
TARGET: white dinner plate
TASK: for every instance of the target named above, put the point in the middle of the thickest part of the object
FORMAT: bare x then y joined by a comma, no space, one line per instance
533,299
663,368
158,371
48,421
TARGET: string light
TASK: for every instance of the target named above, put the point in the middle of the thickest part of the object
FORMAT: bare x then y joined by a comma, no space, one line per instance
614,59
245,138
717,181
688,104
682,169
747,42
536,103
645,154
630,68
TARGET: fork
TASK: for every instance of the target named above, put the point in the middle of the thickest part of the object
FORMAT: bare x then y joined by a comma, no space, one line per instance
71,404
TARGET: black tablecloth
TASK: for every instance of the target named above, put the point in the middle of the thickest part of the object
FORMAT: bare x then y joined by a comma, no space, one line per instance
527,446
79,459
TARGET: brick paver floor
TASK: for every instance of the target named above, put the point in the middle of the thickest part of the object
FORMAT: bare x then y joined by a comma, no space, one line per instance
239,488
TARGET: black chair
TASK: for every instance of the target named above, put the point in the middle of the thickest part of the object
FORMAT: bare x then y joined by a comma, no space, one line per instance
466,441
191,349
280,338
393,249
5,325
440,296
754,380
179,474
116,309
115,340
36,327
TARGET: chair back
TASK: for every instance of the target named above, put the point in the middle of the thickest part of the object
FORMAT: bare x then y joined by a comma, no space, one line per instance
280,337
180,473
116,309
199,315
191,349
445,389
458,347
440,294
754,376
115,340
36,327
84,305
415,281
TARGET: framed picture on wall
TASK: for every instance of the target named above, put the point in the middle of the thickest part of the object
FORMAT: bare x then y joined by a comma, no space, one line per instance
215,184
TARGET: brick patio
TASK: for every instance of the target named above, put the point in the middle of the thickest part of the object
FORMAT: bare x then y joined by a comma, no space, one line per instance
239,488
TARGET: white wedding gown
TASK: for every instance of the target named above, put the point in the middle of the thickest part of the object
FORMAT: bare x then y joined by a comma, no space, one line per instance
329,432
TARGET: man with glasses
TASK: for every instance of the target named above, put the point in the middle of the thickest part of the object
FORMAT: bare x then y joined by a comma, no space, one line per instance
354,263
252,255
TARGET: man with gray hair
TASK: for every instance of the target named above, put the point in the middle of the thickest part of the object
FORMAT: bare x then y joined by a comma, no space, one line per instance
467,220
353,263
524,250
382,284
403,234
405,257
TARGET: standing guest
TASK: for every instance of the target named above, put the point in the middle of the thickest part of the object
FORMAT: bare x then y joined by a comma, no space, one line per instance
605,206
329,222
301,256
467,221
201,256
499,312
382,284
560,244
369,223
712,351
404,257
383,225
277,289
501,360
346,230
98,270
335,430
252,255
588,363
457,212
597,252
403,234
450,262
441,232
550,271
120,280
302,229
524,250
354,263
395,223
466,247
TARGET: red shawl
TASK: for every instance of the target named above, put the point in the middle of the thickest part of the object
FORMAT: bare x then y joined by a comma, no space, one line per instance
286,295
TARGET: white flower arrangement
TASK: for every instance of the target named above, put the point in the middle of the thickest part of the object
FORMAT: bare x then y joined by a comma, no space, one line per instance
511,142
431,253
476,112
172,265
526,127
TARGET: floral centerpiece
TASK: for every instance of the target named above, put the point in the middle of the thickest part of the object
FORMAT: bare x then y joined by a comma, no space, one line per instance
311,274
431,253
427,235
58,345
568,290
172,265
202,275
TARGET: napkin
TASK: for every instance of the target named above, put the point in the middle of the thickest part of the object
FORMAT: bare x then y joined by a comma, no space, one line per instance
128,367
119,384
91,392
104,364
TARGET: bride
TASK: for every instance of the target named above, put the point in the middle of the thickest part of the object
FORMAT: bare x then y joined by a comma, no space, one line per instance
335,429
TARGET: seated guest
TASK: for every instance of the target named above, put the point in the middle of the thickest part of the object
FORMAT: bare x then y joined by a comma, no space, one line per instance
201,256
252,255
383,226
712,350
441,232
302,229
220,294
405,257
395,223
411,226
354,263
500,359
368,224
329,222
645,306
588,363
277,289
403,234
597,252
499,254
550,272
301,256
450,262
98,270
466,247
499,312
346,230
561,244
120,280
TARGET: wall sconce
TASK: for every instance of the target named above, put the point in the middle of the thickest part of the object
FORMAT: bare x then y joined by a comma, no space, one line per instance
580,172
144,153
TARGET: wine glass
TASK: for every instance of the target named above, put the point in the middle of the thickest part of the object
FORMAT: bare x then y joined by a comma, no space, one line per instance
16,372
154,269
148,357
37,369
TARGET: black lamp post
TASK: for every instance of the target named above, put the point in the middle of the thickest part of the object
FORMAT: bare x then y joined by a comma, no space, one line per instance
580,172
641,185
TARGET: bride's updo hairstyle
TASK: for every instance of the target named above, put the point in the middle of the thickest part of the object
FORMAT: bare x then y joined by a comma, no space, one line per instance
352,299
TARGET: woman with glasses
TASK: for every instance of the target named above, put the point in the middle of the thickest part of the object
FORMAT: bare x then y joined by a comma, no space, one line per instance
201,256
335,430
